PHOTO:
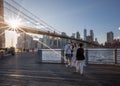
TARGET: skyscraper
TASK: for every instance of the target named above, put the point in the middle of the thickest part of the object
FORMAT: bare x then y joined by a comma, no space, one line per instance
63,40
77,35
110,37
73,35
25,41
92,35
85,34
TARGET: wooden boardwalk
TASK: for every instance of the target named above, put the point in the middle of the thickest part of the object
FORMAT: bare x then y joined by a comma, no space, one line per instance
24,70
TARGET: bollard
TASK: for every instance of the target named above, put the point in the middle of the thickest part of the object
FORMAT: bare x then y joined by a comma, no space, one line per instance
86,57
40,55
115,56
62,56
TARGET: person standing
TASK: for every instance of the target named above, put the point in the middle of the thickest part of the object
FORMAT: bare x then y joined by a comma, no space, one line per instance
80,59
68,49
74,55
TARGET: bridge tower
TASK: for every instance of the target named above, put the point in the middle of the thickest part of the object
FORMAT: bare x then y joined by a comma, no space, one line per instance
2,36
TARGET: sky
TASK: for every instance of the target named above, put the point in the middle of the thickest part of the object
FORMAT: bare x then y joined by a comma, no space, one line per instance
70,16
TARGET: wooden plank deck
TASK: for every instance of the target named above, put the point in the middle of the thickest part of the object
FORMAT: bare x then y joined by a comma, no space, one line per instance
23,70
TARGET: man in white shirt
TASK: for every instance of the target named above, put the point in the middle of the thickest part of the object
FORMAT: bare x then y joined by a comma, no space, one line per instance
68,53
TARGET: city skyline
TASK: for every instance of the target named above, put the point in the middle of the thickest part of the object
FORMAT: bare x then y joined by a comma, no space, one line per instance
76,15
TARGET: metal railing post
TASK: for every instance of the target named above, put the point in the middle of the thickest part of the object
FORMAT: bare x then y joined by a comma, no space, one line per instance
115,56
62,56
86,56
40,55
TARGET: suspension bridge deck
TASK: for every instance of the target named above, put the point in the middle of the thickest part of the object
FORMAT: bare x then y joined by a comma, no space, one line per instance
24,70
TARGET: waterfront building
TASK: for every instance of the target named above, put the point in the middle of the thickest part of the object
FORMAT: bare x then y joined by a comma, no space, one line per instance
92,35
46,41
110,37
114,44
34,44
63,40
25,41
77,35
73,35
55,43
51,42
110,40
88,38
40,43
51,39
19,43
96,41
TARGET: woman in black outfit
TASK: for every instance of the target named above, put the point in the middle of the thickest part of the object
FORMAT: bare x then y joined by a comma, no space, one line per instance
80,59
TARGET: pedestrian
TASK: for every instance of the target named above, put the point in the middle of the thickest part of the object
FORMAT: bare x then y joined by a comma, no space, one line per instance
68,49
74,48
80,59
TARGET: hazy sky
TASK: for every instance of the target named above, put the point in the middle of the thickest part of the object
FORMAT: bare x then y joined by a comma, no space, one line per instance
70,16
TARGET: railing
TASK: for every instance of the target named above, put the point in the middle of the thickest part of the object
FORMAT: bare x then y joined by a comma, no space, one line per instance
50,55
93,56
102,56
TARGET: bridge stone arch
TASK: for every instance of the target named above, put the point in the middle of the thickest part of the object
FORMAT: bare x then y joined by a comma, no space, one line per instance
2,36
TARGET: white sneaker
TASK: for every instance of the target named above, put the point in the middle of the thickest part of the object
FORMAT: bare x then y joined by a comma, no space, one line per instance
66,65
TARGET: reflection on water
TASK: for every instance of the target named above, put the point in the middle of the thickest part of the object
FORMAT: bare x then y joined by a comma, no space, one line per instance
101,56
51,56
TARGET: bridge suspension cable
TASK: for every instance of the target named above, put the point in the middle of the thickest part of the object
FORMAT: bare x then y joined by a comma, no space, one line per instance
50,27
42,27
30,17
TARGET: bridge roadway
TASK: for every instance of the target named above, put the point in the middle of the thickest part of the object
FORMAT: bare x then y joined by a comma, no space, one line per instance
24,70
48,33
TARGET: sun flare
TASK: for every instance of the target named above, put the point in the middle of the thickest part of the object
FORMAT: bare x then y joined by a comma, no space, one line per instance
14,26
14,23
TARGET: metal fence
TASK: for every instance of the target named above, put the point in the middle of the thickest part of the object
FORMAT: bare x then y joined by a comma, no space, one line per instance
101,56
93,56
51,55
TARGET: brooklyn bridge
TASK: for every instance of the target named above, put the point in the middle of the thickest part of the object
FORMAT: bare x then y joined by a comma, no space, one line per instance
11,15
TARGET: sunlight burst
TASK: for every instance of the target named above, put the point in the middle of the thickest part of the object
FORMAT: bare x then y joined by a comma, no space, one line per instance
14,23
